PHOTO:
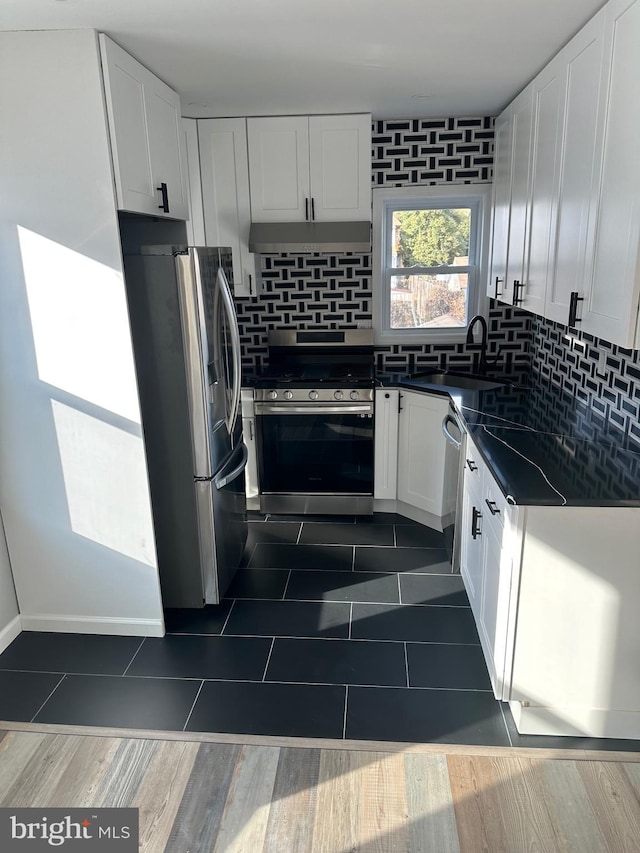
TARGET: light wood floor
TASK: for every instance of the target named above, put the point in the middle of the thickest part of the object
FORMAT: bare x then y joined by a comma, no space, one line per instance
198,797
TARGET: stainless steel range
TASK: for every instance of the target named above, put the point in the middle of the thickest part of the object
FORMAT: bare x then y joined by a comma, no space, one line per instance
313,409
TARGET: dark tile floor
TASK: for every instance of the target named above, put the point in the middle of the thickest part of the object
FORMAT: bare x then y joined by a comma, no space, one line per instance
335,628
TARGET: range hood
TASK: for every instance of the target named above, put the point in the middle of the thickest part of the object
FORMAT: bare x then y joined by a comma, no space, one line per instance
303,237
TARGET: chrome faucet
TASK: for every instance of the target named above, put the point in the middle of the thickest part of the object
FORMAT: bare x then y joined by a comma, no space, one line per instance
483,360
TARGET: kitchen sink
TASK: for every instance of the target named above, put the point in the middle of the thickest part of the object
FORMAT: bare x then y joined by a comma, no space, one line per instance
467,381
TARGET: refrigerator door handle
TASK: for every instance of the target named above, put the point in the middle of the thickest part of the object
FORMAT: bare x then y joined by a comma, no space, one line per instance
222,479
227,299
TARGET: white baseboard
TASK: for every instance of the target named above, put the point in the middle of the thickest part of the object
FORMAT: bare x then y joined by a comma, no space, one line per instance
95,625
576,722
10,632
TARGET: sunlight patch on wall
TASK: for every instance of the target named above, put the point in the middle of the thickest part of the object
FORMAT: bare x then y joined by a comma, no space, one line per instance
105,483
80,325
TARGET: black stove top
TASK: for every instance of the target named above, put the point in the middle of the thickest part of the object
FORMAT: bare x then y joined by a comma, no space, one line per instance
305,375
308,358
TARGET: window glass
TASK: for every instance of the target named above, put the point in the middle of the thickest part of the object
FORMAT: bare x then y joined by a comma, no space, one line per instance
427,245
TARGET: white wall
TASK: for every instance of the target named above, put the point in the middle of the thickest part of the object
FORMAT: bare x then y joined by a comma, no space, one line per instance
9,621
73,483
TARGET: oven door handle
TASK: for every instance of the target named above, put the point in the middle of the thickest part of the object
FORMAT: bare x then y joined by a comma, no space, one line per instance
269,409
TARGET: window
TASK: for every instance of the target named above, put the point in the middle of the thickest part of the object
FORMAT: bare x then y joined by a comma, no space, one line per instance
427,262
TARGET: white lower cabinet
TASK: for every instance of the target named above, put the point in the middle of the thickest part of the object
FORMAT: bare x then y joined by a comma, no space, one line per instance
554,592
414,463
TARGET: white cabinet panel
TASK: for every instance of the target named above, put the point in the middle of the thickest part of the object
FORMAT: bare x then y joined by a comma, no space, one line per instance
582,60
510,200
166,146
471,546
305,168
340,167
422,452
548,108
146,134
195,225
279,163
610,310
522,119
225,193
501,203
386,444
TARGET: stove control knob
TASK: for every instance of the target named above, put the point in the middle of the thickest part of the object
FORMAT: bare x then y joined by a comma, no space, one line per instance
338,395
313,395
354,395
288,395
272,395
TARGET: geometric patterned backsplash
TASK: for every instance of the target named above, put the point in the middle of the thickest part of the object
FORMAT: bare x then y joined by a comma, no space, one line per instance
334,290
570,361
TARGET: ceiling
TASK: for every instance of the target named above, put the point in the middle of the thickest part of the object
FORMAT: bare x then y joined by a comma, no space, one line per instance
393,58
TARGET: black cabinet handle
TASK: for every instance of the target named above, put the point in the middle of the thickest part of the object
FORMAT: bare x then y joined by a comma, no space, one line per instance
386,396
250,286
165,197
493,507
498,281
306,209
313,208
476,515
399,403
471,465
517,298
573,308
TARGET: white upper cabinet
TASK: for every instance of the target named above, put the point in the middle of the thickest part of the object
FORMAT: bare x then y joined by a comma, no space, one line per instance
574,244
522,120
340,167
578,67
224,174
511,186
502,163
147,141
610,309
195,224
279,168
305,168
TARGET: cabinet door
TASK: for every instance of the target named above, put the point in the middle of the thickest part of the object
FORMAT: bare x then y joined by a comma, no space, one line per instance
386,444
126,109
522,119
422,452
279,168
225,192
495,601
340,167
582,59
147,142
195,225
166,147
610,310
471,556
548,116
501,204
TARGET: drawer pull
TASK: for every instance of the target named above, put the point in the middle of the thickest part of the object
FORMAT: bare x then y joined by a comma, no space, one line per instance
471,465
493,507
476,515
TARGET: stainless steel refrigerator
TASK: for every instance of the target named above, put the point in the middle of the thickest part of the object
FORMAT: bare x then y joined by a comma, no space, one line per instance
187,350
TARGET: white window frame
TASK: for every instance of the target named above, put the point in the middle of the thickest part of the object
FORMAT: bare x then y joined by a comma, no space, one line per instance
385,199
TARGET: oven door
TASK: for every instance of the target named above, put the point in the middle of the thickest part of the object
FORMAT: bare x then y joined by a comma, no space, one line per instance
315,458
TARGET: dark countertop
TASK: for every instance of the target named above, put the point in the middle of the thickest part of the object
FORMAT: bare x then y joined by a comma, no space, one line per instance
543,447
